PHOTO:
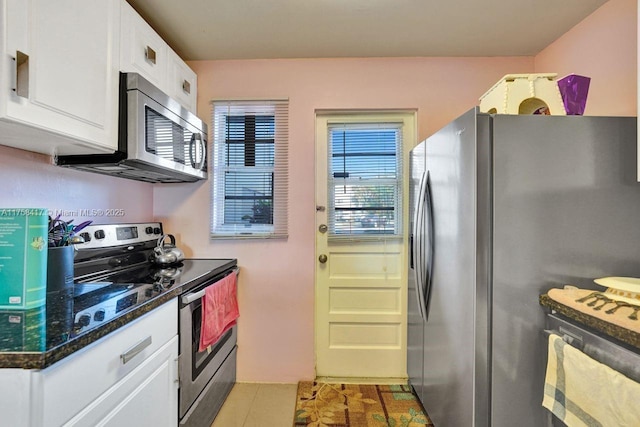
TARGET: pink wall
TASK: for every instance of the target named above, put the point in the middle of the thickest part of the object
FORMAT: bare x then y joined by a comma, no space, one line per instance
30,180
276,288
603,47
277,279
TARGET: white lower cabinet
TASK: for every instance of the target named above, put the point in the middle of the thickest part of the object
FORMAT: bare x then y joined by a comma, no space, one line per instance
148,396
128,378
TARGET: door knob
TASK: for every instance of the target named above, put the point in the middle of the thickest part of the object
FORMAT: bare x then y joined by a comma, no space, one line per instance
323,228
322,258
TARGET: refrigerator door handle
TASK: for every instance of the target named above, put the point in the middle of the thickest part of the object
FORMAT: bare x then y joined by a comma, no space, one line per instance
430,241
418,235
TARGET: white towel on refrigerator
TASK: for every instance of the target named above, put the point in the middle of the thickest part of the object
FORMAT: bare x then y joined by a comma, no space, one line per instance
581,391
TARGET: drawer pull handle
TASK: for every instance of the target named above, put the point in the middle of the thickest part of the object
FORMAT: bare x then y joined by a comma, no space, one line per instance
150,54
133,351
186,87
22,74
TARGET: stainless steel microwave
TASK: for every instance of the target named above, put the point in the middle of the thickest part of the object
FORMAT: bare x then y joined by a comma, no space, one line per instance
158,139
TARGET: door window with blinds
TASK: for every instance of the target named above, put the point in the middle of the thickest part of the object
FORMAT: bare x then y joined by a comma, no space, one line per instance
250,175
364,179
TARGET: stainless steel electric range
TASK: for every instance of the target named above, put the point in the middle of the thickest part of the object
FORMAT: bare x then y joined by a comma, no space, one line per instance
115,273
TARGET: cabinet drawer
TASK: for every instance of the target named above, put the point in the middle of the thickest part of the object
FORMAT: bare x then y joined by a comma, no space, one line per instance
73,383
148,396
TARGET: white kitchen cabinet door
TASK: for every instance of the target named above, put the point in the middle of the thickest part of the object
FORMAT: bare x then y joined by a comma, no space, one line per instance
59,75
127,378
15,394
90,377
142,50
182,82
148,396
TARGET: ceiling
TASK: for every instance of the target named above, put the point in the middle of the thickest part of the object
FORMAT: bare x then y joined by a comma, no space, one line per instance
256,29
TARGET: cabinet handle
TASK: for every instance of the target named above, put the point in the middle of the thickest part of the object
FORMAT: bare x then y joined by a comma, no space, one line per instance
186,87
133,351
150,54
22,74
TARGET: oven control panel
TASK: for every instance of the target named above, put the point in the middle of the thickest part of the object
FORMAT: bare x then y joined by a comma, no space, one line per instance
107,235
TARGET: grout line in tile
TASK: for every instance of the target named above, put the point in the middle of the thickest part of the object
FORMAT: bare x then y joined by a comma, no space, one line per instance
253,400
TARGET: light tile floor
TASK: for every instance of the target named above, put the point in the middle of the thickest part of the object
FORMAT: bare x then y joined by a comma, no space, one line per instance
258,405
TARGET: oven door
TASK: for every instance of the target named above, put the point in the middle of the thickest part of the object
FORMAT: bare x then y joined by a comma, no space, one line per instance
198,368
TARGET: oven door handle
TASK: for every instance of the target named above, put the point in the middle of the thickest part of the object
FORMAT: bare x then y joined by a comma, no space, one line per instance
194,296
570,338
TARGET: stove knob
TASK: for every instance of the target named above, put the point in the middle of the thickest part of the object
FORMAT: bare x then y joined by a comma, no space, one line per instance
98,316
84,320
149,230
86,236
156,230
99,234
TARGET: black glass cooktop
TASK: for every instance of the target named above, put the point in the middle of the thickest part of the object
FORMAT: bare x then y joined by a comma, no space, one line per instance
98,298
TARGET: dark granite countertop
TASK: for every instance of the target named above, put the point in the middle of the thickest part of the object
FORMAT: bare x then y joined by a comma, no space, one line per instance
624,335
31,339
37,338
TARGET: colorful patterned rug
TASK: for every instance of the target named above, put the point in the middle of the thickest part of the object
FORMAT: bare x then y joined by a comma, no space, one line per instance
358,405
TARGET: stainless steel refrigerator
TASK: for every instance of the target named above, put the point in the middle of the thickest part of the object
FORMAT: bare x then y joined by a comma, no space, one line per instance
503,209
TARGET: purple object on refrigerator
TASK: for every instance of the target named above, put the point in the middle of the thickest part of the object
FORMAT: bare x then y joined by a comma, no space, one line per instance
574,90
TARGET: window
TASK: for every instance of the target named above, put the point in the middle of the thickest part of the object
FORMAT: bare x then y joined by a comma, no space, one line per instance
365,179
250,175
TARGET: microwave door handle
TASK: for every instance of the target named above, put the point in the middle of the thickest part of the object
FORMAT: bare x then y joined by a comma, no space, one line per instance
203,159
203,150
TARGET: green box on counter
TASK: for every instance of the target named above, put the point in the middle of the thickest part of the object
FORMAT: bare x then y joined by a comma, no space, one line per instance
24,330
23,257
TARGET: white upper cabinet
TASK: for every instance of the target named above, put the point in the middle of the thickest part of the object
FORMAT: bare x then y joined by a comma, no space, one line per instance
143,51
59,72
59,75
182,82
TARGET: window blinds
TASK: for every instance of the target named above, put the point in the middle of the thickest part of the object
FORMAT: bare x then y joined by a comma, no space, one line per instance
250,172
365,179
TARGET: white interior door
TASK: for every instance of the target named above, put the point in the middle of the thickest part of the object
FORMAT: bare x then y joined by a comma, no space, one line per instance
361,243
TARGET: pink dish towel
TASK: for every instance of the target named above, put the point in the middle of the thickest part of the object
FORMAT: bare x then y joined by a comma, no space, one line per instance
219,310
